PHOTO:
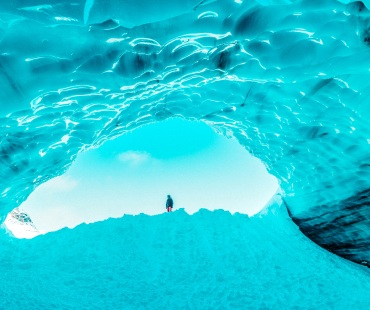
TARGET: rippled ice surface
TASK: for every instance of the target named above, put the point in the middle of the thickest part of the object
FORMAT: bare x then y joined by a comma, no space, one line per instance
210,260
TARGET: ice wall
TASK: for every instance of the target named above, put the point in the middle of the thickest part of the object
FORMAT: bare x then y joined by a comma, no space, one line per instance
288,79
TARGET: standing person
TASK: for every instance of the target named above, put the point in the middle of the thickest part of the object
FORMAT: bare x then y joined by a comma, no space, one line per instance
169,203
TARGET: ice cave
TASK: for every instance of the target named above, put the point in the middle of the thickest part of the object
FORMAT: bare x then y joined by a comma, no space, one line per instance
287,78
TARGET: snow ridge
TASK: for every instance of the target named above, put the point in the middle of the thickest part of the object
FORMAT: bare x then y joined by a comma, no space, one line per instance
209,260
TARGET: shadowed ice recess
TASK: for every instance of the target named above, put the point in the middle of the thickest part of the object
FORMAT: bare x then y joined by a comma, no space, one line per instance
288,79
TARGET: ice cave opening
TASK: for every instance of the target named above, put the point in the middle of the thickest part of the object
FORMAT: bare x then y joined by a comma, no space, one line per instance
132,174
289,79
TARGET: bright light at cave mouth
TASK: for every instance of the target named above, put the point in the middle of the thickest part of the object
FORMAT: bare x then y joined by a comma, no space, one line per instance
133,174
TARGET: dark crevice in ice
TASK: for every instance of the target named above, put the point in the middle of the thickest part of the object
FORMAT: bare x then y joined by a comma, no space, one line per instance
337,226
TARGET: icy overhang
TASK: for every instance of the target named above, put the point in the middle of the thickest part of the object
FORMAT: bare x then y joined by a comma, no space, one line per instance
288,79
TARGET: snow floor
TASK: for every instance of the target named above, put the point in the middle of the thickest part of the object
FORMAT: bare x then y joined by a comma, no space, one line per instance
209,260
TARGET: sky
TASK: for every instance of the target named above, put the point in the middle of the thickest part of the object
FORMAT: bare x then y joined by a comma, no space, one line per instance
134,173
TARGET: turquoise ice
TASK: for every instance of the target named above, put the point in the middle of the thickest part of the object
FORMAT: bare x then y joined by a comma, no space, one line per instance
287,79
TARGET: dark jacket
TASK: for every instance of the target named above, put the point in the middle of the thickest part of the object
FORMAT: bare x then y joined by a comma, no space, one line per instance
169,203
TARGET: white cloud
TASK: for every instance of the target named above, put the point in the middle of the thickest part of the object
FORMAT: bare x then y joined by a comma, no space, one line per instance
60,184
134,157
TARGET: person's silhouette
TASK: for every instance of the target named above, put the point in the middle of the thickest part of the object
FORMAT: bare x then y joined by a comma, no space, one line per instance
169,203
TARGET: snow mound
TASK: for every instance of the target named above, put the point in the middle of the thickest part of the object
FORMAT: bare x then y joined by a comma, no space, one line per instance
209,260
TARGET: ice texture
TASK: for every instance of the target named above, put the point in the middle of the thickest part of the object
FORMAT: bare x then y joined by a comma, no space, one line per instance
209,260
288,79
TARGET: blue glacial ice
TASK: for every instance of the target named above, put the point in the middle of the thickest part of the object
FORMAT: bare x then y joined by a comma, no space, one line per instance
288,79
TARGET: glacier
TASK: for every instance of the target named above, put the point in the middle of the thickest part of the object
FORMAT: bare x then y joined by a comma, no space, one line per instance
287,78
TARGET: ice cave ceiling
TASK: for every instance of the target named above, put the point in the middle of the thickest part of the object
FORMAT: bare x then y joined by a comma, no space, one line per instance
288,79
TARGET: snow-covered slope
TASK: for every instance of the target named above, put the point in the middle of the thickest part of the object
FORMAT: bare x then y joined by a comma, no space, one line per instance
210,260
19,224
